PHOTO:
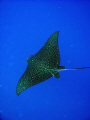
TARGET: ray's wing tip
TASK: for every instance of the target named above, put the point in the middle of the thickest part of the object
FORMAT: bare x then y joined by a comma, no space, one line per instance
57,31
17,93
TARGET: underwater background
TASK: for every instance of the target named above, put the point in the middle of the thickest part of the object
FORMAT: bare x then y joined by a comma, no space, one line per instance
24,28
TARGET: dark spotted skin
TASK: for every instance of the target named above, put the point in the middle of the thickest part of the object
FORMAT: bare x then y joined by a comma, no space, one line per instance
41,66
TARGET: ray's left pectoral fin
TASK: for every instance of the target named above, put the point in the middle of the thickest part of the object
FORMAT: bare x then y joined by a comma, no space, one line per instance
23,83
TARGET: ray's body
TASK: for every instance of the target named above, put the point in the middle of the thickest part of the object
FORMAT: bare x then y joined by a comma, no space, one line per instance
43,65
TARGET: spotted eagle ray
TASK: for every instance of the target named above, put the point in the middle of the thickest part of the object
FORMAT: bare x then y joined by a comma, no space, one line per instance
43,65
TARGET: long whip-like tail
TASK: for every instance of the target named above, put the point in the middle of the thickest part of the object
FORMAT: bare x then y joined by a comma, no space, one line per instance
75,68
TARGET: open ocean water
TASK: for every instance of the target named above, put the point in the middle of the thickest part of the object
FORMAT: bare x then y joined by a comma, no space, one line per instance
25,25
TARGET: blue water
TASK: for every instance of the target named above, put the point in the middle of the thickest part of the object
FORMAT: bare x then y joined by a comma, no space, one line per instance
25,27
